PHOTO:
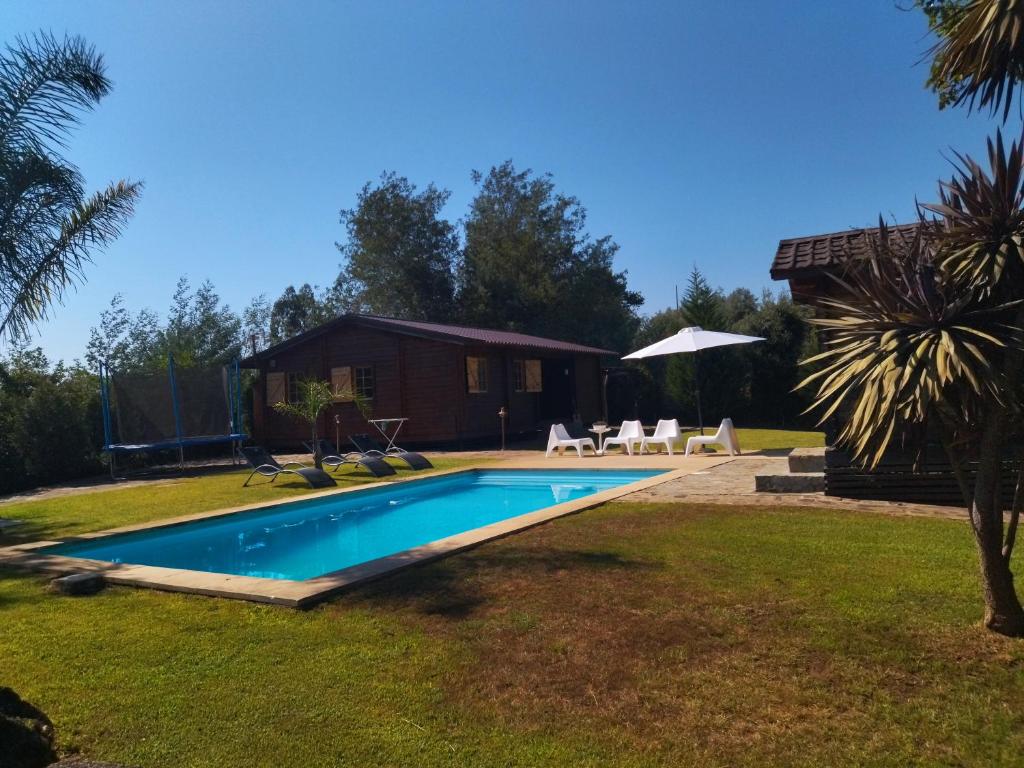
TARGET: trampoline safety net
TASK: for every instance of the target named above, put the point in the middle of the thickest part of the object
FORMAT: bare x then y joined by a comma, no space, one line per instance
172,406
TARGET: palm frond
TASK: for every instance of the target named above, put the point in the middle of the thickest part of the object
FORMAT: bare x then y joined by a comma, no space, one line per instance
93,224
44,84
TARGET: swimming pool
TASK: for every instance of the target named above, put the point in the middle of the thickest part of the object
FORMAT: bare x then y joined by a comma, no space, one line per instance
309,538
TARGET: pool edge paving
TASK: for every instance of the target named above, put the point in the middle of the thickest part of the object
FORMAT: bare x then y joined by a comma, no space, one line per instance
301,594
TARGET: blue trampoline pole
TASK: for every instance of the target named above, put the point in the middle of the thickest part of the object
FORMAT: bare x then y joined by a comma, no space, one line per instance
177,415
105,410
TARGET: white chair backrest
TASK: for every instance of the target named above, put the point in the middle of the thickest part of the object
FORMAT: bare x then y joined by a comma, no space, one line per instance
666,428
560,431
631,429
726,429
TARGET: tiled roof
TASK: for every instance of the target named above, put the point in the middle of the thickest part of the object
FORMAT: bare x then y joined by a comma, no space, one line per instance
455,334
809,254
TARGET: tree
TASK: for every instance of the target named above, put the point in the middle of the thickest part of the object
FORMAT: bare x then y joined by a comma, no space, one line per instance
200,330
928,339
256,325
979,57
527,257
300,310
125,342
401,255
314,397
49,228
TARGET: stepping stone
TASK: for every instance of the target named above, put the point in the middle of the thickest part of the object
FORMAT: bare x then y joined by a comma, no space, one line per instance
78,584
794,482
807,460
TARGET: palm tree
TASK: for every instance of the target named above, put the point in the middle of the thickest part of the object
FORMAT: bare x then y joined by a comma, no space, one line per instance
926,338
48,226
314,397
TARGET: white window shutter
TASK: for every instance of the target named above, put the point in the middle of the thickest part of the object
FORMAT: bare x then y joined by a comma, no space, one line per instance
533,376
341,383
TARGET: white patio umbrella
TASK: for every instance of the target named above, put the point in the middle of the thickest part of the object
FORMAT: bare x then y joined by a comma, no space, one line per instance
692,339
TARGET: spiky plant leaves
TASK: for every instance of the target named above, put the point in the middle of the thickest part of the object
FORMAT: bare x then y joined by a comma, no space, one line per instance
905,345
978,60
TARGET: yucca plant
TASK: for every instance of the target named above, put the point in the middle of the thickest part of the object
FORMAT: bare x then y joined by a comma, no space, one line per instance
924,339
979,59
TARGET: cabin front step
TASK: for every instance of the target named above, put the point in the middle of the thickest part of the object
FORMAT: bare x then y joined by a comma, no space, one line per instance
793,482
807,460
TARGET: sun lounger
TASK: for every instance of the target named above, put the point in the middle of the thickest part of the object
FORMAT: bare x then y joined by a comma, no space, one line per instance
559,439
725,436
630,433
331,458
264,464
666,433
368,446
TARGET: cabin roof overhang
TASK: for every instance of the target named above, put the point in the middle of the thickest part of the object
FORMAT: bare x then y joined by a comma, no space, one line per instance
450,334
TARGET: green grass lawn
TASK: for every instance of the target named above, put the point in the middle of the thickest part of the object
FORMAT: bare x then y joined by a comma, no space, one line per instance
629,635
770,439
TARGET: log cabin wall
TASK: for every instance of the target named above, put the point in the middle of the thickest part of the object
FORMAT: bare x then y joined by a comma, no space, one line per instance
423,379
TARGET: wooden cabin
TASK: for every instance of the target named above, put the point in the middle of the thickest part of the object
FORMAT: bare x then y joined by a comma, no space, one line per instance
805,263
449,381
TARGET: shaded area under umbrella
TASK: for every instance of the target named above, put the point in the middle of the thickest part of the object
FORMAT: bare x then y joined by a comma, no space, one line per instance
693,339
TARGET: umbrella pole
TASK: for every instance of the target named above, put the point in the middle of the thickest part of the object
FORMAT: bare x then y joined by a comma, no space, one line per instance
696,381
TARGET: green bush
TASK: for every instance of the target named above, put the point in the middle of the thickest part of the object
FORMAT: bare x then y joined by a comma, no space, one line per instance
50,422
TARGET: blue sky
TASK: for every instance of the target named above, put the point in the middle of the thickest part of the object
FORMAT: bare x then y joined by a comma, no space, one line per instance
692,132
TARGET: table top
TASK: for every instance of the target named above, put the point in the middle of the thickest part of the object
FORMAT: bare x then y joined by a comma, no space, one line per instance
388,421
600,430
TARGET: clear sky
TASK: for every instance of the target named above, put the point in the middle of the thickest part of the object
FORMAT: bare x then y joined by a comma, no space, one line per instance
693,132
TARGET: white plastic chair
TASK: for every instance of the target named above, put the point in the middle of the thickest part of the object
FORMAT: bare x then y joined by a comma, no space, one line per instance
666,433
630,433
559,439
725,436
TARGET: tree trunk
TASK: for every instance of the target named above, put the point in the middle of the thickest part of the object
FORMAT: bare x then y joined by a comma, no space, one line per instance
318,457
1003,612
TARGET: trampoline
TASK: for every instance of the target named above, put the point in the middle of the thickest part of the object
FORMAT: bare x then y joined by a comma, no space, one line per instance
171,411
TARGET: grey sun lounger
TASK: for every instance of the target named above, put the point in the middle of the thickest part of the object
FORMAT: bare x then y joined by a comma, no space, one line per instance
375,465
366,445
264,464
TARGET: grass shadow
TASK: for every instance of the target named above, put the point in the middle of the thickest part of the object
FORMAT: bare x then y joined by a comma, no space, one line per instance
458,586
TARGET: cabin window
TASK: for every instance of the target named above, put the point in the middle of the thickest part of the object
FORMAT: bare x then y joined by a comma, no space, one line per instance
476,374
294,395
365,384
276,389
341,384
526,376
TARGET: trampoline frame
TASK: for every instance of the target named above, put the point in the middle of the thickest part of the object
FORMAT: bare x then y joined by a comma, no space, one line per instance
179,442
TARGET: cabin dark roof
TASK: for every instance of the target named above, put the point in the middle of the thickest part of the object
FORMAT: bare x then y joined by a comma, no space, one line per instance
453,334
798,256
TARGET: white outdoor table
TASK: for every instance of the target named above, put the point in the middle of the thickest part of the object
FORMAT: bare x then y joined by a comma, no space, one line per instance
600,430
385,425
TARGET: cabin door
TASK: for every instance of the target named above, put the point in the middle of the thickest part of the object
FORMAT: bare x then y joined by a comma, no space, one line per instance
558,395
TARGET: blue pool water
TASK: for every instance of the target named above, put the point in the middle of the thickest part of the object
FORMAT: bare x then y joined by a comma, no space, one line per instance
310,538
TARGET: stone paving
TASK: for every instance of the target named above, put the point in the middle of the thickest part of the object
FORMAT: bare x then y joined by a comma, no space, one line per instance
732,483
